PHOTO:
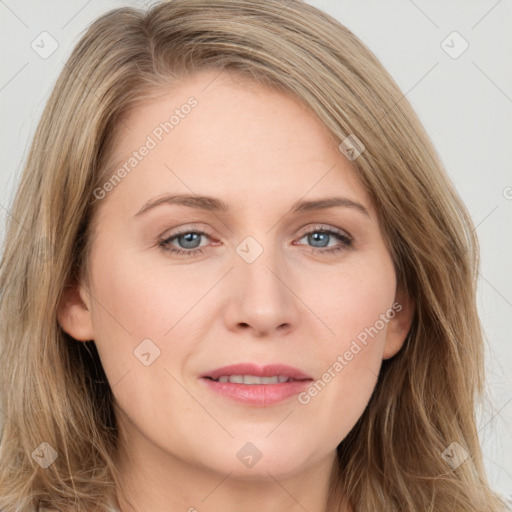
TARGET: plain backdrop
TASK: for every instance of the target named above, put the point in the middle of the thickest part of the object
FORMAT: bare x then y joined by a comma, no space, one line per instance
451,59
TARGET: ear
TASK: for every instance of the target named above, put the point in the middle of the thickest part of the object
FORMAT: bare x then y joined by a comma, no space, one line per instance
74,312
399,325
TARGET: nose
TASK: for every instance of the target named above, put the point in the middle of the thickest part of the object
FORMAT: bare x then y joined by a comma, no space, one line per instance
262,299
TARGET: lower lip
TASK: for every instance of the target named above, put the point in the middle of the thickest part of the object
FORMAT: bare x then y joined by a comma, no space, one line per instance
258,394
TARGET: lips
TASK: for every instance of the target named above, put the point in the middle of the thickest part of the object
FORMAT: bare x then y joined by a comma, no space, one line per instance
250,369
256,386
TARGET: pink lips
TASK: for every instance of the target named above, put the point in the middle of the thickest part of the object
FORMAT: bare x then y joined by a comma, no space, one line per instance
257,394
270,370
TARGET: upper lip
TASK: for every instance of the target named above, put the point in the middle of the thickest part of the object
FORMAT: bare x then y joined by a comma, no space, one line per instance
270,370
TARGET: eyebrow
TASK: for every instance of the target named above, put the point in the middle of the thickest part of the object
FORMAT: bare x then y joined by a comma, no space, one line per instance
217,205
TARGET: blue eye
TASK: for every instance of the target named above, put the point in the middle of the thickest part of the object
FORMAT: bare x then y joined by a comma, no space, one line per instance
190,241
320,236
189,238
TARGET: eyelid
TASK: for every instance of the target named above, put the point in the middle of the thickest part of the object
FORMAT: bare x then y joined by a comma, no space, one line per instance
187,229
303,231
325,227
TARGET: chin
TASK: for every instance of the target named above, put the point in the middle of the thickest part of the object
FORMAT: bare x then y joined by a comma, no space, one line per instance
267,467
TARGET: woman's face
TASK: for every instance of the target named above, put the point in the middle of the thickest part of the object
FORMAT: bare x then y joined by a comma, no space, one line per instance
284,264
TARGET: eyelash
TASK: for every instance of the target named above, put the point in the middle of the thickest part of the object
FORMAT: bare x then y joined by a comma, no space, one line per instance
345,239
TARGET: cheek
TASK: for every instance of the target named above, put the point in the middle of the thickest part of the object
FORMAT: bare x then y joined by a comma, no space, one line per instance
357,309
145,332
354,301
138,313
141,295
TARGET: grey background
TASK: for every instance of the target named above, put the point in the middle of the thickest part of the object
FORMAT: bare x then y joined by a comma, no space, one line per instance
465,104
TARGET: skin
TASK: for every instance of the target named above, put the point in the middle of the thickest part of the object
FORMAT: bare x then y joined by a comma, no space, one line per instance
259,151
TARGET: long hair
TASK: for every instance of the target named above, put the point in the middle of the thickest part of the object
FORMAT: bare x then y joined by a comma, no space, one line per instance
59,432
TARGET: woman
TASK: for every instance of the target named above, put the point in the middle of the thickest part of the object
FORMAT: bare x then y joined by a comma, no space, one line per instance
237,277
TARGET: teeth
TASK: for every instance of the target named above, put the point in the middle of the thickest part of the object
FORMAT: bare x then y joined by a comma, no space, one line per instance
253,379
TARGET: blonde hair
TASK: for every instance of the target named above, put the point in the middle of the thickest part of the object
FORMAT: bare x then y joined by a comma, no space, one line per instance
53,388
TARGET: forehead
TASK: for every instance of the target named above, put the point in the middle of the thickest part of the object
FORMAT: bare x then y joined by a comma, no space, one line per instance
215,133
